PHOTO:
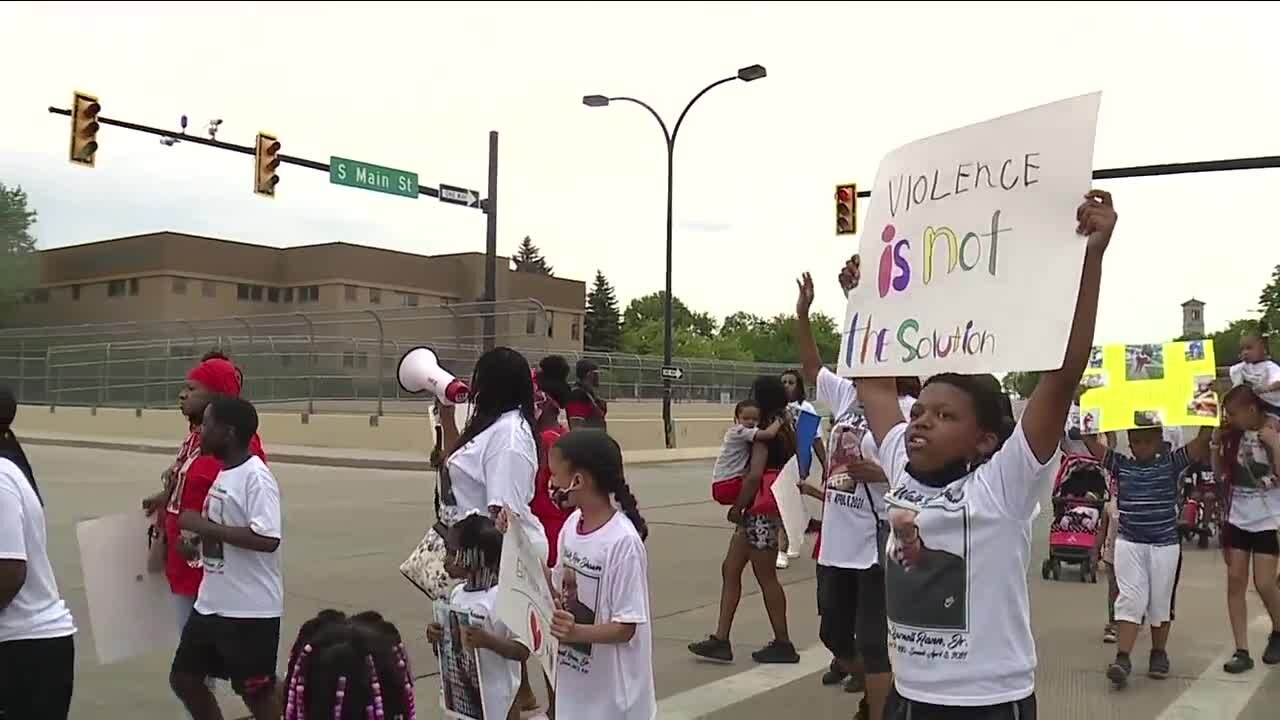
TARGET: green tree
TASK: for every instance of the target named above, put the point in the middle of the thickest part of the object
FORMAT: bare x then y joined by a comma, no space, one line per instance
18,265
603,328
1269,299
1020,383
775,340
649,308
529,259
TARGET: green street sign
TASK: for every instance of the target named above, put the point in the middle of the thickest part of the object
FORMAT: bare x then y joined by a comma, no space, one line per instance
356,174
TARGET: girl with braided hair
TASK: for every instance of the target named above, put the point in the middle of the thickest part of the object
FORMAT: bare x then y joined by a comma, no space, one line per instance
349,668
603,623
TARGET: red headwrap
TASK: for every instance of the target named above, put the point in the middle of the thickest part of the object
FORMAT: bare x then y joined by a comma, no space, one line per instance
218,376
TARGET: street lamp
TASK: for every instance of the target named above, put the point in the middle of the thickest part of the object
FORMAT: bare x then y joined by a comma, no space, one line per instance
746,74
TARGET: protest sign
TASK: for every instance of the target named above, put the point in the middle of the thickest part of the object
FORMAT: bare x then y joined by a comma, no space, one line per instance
124,598
525,604
970,258
786,491
461,693
1134,386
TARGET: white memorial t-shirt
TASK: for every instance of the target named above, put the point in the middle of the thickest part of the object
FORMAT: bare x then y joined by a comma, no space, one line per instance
1255,496
499,677
604,578
959,612
1258,375
497,469
242,583
848,520
37,612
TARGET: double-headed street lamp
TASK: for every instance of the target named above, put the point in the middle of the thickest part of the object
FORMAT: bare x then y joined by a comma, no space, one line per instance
746,74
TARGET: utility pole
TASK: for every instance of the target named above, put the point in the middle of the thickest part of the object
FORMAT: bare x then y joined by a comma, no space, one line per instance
491,246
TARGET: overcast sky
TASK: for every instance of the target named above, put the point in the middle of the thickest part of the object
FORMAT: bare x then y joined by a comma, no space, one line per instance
418,86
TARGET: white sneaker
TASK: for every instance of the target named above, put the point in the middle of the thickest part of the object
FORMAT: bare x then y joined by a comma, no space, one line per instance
793,554
783,561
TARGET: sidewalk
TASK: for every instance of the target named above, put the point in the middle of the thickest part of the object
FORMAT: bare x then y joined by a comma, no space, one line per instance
329,457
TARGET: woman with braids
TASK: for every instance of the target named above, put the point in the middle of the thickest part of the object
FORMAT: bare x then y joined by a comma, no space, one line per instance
755,539
349,668
37,646
963,485
603,622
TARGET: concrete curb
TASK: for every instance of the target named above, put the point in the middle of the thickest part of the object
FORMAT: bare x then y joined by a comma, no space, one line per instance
332,457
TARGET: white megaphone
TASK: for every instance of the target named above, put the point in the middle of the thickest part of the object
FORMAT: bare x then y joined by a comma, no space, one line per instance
420,371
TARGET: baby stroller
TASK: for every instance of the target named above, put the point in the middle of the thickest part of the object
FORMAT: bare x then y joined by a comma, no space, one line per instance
1201,506
1080,494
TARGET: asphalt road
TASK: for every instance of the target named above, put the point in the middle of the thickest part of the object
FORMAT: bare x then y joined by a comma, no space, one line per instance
347,531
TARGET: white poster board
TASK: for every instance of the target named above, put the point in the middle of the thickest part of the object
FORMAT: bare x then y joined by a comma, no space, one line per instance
786,491
131,610
525,604
968,234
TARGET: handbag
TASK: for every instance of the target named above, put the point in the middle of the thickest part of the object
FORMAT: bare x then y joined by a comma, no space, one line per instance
882,528
765,503
425,565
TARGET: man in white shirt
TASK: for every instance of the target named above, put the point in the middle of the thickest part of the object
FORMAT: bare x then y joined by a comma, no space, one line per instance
234,629
37,649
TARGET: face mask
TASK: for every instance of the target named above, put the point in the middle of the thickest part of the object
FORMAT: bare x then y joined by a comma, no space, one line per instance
561,495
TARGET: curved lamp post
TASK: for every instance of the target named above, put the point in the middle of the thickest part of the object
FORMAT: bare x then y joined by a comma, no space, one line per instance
746,74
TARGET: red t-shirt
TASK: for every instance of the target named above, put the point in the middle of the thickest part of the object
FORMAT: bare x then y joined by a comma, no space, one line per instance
542,507
586,406
195,475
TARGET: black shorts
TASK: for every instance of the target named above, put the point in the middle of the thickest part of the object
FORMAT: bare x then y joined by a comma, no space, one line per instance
37,678
853,621
242,650
1258,543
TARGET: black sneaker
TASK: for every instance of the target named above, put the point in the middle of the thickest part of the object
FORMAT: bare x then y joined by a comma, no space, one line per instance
1158,665
1271,655
856,683
776,652
834,675
713,648
1240,662
864,710
1119,671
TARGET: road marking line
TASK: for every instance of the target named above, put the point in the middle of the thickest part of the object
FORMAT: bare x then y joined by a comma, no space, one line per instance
705,699
1217,693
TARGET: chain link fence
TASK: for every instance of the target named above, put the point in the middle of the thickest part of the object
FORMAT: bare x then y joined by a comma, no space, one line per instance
340,361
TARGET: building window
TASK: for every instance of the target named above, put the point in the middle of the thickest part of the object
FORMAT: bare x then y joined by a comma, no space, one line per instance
350,291
209,289
288,295
408,300
575,330
1195,314
375,296
531,322
242,292
313,293
551,324
273,295
255,293
133,286
116,288
179,286
75,292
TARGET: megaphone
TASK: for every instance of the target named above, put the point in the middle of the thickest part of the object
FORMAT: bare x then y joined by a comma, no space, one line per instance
420,371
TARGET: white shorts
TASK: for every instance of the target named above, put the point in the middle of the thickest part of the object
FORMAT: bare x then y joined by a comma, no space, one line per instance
1146,576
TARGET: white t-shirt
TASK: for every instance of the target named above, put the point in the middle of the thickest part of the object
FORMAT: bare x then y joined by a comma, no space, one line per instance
1255,496
1258,375
735,452
37,612
794,408
496,468
848,521
960,616
499,677
604,577
240,583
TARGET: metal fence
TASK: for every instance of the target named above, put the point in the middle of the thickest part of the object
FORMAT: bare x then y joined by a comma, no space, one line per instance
341,361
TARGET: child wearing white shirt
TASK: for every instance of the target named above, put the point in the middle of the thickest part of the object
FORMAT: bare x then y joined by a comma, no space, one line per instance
1257,370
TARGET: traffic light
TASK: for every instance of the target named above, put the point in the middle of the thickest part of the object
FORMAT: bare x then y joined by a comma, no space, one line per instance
846,209
266,155
84,129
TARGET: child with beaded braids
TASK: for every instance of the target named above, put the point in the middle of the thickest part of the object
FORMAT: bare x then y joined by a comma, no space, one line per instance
349,668
602,622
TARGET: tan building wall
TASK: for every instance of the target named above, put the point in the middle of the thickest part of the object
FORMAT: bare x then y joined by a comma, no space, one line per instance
170,276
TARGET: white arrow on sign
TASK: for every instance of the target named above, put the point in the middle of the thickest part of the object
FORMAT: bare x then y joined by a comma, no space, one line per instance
458,196
672,373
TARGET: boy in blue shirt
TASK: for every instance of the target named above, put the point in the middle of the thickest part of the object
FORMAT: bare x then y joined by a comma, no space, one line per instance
1148,550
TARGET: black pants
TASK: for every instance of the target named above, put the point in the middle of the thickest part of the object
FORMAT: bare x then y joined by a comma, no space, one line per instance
900,708
37,678
852,616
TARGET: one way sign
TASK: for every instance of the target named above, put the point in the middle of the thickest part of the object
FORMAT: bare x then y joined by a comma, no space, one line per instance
672,373
459,196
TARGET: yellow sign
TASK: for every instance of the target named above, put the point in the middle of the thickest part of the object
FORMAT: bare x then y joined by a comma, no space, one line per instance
1136,386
